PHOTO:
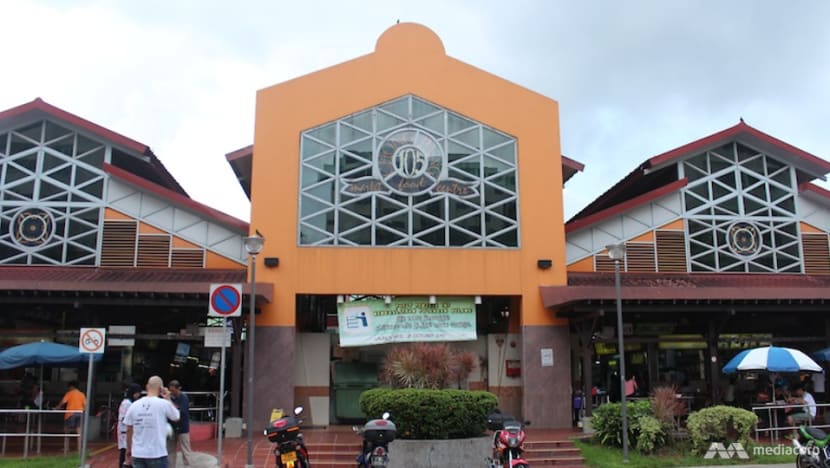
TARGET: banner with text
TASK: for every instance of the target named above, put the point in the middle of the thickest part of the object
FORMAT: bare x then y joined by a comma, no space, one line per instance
406,319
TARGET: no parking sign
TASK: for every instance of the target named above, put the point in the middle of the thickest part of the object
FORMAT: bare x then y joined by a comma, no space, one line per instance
225,300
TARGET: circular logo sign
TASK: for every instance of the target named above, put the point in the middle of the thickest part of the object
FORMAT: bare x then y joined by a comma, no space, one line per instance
32,227
743,238
410,161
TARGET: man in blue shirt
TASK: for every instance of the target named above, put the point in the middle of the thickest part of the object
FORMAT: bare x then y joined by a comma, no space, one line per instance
182,429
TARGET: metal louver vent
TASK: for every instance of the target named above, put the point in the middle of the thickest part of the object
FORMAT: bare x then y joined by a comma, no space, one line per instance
153,250
118,243
604,263
671,251
187,258
816,252
640,257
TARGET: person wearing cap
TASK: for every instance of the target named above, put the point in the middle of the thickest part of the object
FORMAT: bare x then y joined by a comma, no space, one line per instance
131,394
182,428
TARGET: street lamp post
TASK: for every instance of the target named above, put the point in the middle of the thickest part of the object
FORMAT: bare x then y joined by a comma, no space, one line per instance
617,253
253,245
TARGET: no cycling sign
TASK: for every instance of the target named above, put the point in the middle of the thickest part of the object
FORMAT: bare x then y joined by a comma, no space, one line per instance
92,340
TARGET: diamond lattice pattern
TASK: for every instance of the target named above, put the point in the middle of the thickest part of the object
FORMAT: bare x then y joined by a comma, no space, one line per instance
343,150
735,182
51,168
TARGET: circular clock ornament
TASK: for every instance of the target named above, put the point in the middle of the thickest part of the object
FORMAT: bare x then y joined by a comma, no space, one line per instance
743,238
32,227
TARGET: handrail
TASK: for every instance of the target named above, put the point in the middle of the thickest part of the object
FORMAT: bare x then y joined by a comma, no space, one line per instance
37,433
772,418
198,409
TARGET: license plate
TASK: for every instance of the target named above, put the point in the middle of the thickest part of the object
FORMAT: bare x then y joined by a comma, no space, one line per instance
379,461
288,457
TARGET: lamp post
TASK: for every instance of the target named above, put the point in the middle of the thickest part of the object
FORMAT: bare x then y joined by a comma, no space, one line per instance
253,245
617,253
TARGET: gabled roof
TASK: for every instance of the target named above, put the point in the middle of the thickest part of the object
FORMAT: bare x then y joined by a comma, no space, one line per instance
570,167
176,198
659,171
241,163
145,164
141,168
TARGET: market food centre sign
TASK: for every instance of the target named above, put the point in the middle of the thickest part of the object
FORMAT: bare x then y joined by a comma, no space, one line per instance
406,319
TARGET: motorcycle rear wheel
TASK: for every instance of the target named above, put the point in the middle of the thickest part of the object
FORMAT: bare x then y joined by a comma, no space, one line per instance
805,461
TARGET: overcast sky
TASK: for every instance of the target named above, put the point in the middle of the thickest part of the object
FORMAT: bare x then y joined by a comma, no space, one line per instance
633,78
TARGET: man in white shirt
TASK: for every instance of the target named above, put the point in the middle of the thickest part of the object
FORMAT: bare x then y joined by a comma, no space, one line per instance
800,416
147,426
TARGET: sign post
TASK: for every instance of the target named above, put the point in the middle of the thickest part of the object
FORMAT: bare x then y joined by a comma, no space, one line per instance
225,301
92,342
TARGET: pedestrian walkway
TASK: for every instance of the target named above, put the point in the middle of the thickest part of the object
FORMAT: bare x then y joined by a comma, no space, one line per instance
235,451
777,465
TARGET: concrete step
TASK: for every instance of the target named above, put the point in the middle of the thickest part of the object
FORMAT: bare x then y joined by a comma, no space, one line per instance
552,452
556,453
547,444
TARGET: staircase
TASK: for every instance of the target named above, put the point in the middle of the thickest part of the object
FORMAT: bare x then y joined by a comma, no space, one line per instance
557,453
334,454
545,451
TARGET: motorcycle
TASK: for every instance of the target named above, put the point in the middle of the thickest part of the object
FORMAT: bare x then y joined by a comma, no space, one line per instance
377,434
813,446
290,450
508,441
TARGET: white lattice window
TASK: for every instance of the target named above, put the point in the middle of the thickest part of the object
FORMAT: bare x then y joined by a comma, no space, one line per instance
740,206
51,191
408,173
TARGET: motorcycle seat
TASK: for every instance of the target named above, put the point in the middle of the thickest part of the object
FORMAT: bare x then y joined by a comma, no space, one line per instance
815,433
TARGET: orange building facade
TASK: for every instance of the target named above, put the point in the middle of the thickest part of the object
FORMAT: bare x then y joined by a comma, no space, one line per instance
475,212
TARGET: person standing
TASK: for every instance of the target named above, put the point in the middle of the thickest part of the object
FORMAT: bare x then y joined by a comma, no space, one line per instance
182,429
147,426
631,386
131,394
74,401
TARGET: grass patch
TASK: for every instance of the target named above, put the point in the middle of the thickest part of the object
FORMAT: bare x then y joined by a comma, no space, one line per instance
41,462
599,456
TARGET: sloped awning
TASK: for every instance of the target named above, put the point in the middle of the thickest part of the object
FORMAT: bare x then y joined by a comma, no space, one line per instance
40,282
684,287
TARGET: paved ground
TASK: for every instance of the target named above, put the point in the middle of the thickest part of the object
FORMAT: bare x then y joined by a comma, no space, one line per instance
235,451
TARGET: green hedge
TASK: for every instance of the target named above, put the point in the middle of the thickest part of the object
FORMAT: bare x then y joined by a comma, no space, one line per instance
725,424
431,414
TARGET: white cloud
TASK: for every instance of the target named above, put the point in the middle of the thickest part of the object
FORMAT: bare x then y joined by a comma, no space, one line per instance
633,79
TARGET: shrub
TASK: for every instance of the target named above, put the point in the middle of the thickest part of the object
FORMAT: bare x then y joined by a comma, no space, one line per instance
431,414
651,434
426,365
724,424
607,422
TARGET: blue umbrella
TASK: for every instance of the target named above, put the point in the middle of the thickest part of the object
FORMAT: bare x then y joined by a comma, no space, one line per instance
43,353
822,355
771,359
